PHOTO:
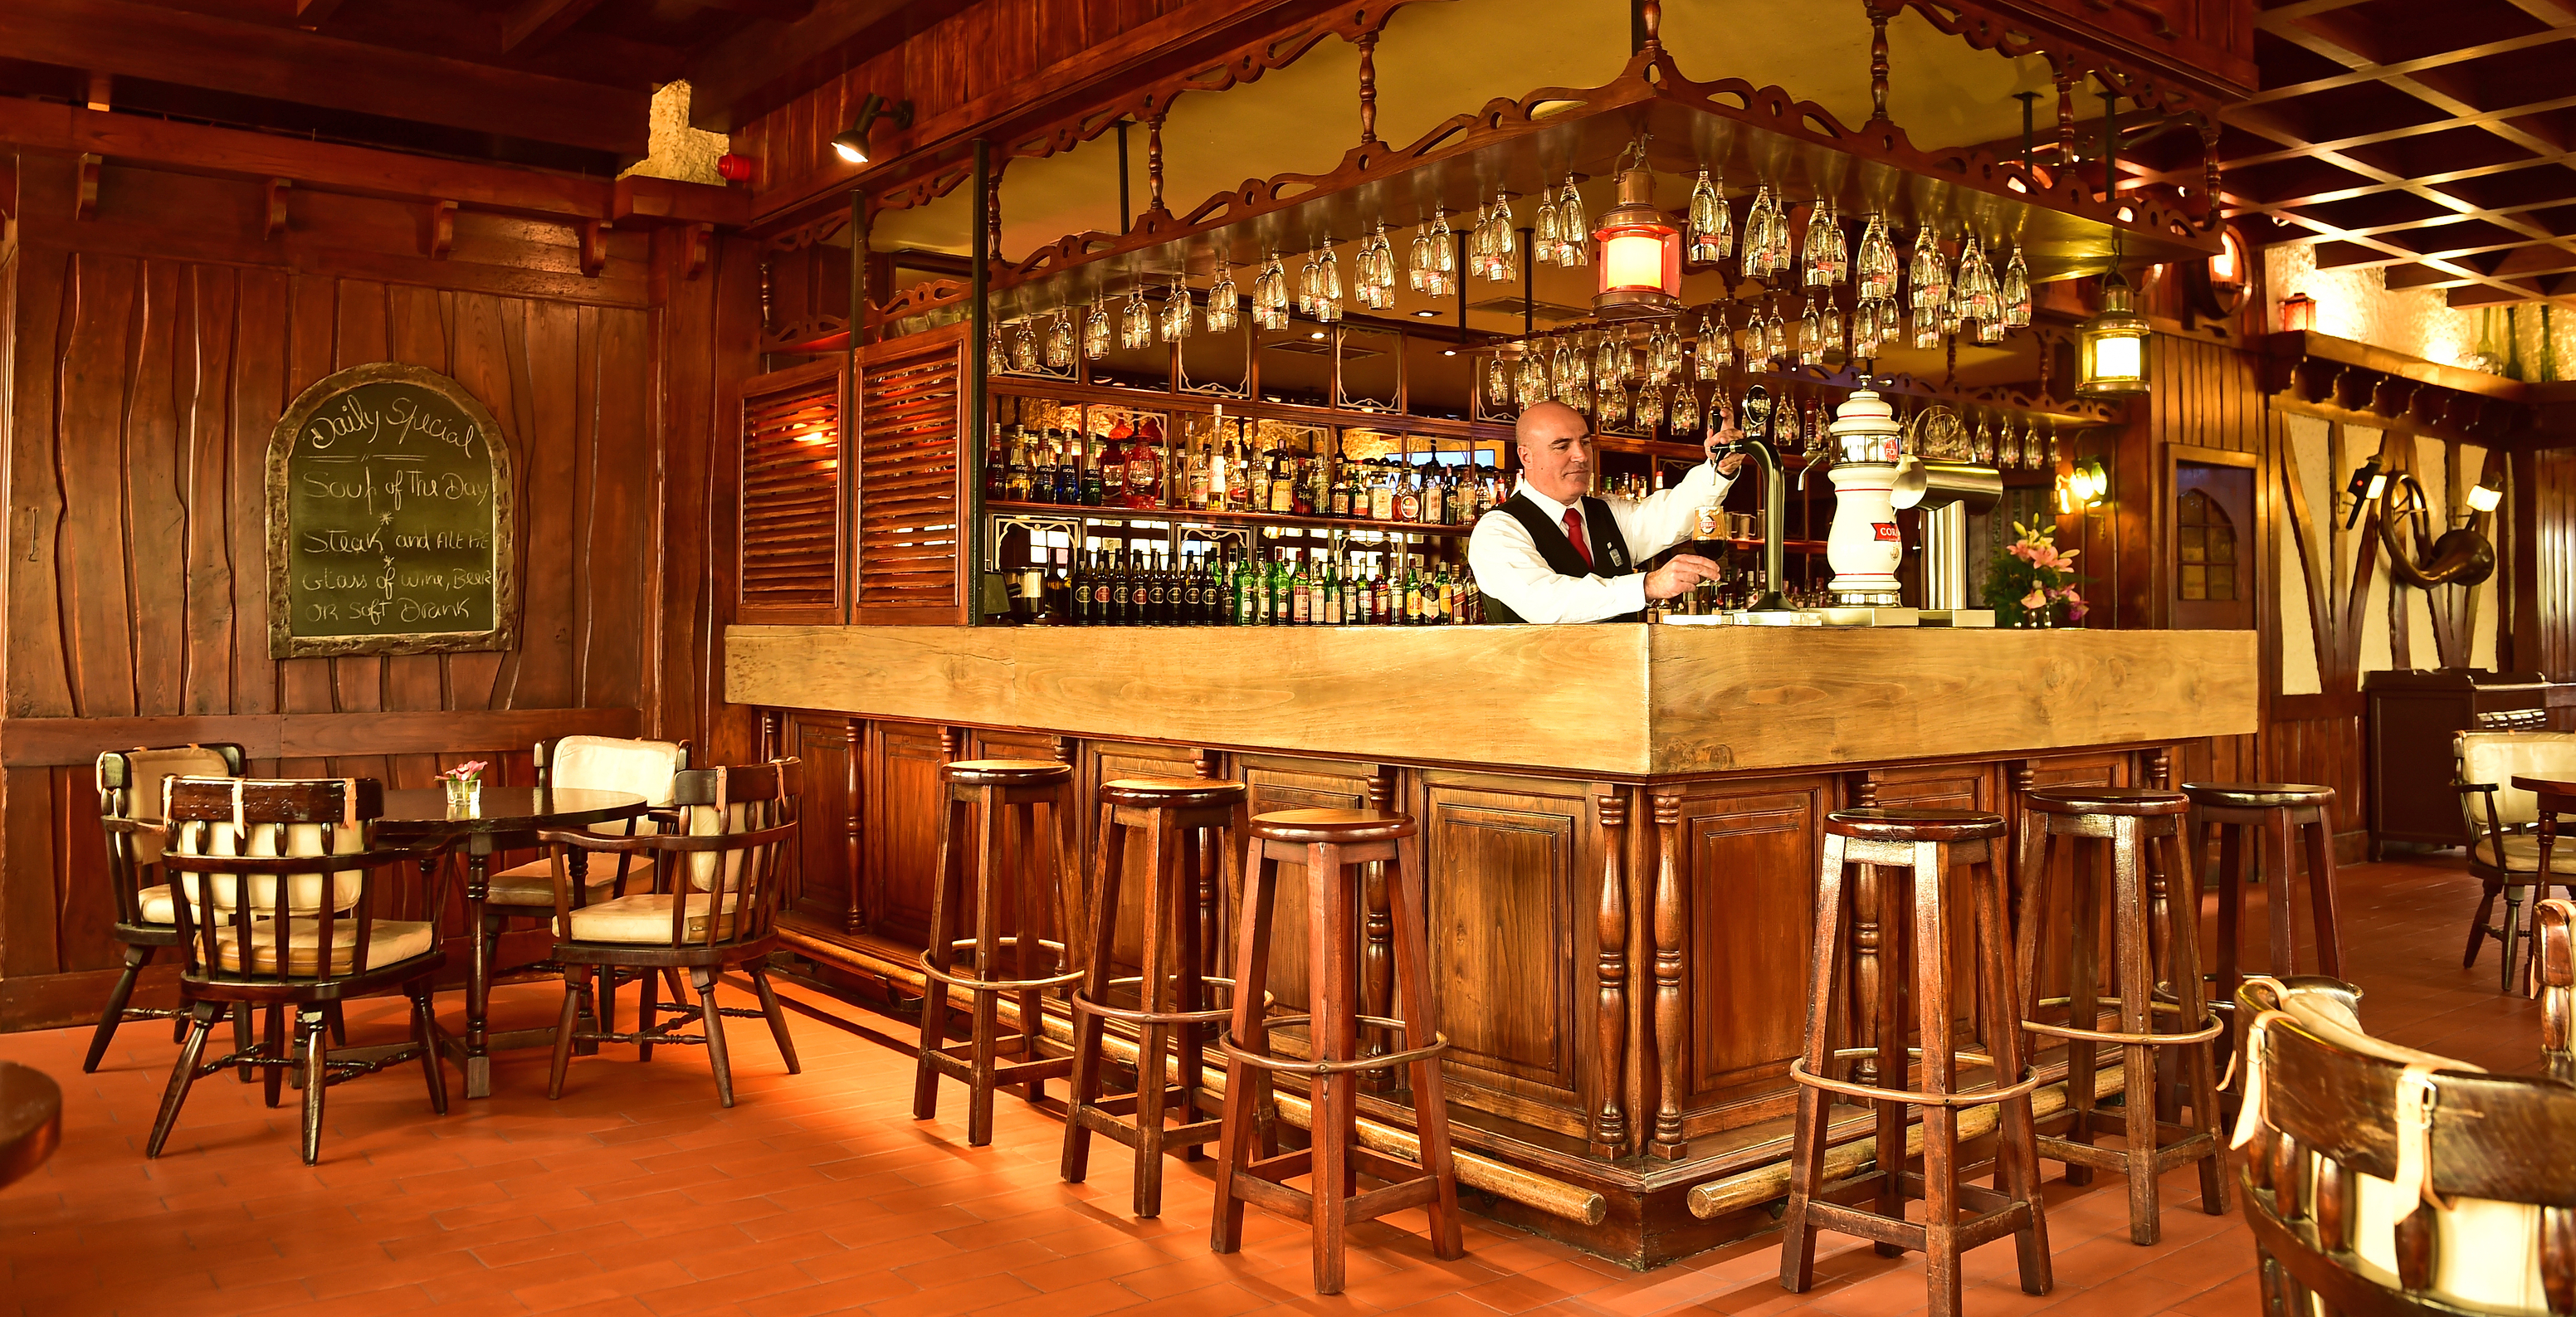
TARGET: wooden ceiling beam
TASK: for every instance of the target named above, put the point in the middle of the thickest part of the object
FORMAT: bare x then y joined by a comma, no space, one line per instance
536,22
311,14
733,81
129,39
776,11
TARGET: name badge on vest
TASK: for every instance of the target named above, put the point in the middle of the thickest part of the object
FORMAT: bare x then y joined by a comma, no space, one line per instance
1618,556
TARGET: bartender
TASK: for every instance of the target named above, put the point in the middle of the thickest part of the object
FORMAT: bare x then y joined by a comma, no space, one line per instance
1555,552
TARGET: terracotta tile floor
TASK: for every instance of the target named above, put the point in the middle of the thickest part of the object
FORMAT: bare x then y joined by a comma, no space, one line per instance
637,1194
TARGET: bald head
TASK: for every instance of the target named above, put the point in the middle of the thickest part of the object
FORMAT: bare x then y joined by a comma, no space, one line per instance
1555,445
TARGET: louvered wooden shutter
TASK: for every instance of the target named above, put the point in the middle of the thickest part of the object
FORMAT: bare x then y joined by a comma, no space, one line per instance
913,495
791,497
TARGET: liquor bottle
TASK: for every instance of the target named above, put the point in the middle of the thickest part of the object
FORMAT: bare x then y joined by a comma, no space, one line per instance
1200,478
1381,495
1279,614
1158,607
1332,591
1059,587
1301,604
1257,485
1303,490
1283,488
1068,470
997,466
1408,498
1247,593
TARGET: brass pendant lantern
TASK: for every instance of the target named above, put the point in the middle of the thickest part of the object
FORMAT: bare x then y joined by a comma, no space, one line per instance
2114,345
1638,250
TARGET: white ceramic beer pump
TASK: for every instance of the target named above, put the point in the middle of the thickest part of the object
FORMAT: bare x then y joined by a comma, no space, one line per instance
1863,548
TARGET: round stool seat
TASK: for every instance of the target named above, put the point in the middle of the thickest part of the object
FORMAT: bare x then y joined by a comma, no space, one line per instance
1170,792
1005,772
2257,795
1331,826
1914,824
2139,802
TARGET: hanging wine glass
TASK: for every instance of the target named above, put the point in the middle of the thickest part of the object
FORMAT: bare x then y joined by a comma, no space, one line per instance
1650,408
1135,320
1059,343
1831,322
1543,232
1878,268
1607,363
1498,383
1178,314
1976,279
2052,445
1095,332
1418,270
1815,264
1811,330
1685,414
1712,232
1024,349
1328,284
997,356
2014,292
1775,335
2008,448
1573,230
1984,449
1220,302
1757,235
1929,275
1613,404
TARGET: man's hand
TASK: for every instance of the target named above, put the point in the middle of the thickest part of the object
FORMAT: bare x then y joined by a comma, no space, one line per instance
1679,575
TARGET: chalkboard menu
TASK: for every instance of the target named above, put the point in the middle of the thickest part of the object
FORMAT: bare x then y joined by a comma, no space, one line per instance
389,519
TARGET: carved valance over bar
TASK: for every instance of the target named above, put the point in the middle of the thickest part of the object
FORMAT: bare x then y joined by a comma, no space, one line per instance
2065,225
2353,382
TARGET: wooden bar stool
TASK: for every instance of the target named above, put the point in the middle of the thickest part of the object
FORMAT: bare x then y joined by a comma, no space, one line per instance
1926,842
1333,844
2137,823
1176,814
1010,791
2281,810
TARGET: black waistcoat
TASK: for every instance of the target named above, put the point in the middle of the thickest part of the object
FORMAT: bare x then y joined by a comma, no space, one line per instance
1609,549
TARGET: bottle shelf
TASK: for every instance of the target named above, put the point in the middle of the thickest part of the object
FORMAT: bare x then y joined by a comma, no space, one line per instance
1209,516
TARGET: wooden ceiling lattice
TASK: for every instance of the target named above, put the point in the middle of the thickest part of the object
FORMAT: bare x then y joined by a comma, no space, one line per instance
2431,139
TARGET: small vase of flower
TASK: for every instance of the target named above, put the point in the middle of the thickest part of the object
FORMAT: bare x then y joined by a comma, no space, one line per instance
464,785
2032,580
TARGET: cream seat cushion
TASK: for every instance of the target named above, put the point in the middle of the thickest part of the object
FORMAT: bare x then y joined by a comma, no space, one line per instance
595,763
2486,1254
2497,758
156,905
645,919
389,942
146,771
304,890
2522,853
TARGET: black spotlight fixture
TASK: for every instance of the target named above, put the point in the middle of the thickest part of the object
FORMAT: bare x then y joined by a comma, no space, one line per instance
853,145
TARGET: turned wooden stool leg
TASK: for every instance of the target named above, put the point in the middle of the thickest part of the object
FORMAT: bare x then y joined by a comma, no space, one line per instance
1825,968
1887,1016
1190,915
2083,1005
2199,1065
947,895
1246,1085
2279,889
1163,916
1334,1032
1088,1026
2131,910
993,846
2319,826
2016,1133
1939,1076
1406,901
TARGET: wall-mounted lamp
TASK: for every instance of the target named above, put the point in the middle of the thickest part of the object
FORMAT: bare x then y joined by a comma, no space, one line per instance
2115,345
2484,497
853,145
2083,486
2298,312
2368,482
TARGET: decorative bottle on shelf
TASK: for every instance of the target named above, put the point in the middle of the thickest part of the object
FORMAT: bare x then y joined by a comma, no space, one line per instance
1068,470
1145,466
1282,488
1257,485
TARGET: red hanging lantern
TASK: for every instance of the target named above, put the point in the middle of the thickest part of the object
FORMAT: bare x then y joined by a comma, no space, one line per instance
1638,251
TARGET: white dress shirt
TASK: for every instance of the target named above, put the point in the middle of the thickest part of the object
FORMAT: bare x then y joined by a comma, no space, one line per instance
1509,566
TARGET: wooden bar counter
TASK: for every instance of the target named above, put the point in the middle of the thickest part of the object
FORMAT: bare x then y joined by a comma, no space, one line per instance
1621,824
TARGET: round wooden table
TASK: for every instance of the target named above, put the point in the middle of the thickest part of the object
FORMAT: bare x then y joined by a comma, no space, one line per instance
503,818
31,1120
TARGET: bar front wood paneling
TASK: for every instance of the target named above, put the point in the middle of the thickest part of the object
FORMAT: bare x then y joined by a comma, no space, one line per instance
1621,828
1625,701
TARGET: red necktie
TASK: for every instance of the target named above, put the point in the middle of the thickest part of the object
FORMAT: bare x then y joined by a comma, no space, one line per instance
1574,532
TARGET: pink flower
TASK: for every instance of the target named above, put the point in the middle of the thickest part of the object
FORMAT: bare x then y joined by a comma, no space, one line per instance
470,769
2035,600
2023,551
2075,606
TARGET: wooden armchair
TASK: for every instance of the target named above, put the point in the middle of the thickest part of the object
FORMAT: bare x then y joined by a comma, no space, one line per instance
713,904
2380,1179
264,926
129,813
2502,821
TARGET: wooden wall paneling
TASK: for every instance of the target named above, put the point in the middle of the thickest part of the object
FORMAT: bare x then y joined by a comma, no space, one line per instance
416,323
1107,761
156,517
550,343
1282,782
94,372
832,748
901,822
1509,863
204,476
39,668
617,536
707,334
1744,862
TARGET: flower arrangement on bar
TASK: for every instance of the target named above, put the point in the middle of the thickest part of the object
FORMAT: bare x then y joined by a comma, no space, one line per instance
2032,579
464,783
